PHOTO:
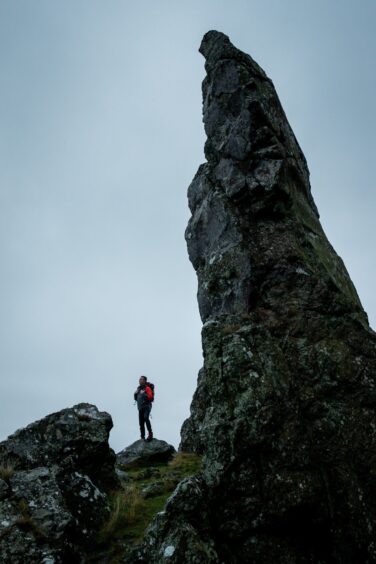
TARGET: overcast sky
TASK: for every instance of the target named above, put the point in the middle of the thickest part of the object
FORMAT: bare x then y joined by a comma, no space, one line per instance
101,134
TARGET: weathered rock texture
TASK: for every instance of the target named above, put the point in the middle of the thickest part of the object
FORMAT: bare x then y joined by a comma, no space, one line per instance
56,474
284,411
143,453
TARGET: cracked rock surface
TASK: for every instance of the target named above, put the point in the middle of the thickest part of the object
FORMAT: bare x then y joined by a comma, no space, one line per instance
284,411
55,477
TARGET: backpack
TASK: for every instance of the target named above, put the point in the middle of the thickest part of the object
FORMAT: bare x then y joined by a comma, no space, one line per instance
151,386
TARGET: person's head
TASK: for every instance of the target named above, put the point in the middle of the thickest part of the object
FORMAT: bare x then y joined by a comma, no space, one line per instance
142,380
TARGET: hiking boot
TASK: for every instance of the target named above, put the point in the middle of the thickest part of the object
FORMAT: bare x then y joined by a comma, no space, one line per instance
150,437
142,438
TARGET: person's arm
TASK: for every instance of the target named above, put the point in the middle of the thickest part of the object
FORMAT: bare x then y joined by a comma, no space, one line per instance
135,394
149,393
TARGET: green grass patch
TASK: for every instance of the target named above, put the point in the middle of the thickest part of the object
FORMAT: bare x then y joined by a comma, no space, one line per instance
186,463
132,509
126,508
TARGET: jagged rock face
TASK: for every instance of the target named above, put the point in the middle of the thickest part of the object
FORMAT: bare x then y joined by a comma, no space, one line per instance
56,474
284,411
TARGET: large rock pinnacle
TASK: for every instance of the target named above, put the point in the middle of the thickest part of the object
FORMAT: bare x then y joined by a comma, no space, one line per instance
284,411
253,217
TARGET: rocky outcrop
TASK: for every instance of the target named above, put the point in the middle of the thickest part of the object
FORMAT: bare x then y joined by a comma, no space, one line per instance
284,411
55,476
144,453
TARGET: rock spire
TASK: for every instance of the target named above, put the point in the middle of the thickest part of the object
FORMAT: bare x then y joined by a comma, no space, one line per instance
284,411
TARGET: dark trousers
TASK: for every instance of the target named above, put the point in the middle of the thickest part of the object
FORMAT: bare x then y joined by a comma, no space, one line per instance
143,417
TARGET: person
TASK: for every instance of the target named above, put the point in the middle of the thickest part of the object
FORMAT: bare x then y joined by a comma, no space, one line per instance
143,396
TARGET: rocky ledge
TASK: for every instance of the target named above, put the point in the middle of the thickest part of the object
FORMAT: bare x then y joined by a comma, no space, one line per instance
145,453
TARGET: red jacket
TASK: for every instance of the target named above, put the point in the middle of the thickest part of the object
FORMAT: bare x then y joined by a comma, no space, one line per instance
143,396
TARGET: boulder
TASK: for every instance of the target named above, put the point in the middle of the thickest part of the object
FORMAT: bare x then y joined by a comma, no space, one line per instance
72,438
57,473
143,453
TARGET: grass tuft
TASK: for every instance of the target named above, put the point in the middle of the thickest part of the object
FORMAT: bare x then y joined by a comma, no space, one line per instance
127,506
25,522
6,471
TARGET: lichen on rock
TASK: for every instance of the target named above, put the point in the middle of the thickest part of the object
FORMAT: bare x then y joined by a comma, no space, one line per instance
57,473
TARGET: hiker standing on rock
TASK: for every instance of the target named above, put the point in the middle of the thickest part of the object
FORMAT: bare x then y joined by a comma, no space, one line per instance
144,395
